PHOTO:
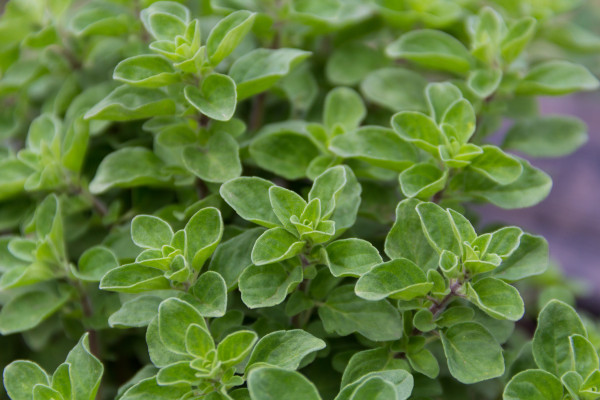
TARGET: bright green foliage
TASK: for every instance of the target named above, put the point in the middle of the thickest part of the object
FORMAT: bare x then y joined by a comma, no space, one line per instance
265,200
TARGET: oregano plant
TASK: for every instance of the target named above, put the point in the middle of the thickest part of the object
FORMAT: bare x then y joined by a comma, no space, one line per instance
279,199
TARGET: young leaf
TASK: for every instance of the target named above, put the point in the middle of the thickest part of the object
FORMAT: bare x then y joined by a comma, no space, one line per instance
528,259
216,98
211,290
422,180
94,263
345,108
227,35
165,20
472,352
497,165
174,318
20,377
150,232
584,358
235,347
438,228
149,71
284,349
275,245
419,129
85,370
134,278
203,231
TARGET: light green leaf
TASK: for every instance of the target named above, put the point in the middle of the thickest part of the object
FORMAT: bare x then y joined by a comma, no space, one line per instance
374,388
529,189
423,320
378,146
401,380
517,38
395,89
249,197
233,257
235,347
351,257
216,98
432,49
127,103
203,231
438,228
344,108
27,310
165,20
472,352
149,388
345,313
419,129
146,70
460,117
406,238
398,279
496,298
85,370
134,278
159,353
198,341
484,82
328,188
227,35
547,136
94,263
350,63
556,77
422,180
497,165
218,161
285,349
174,318
533,384
286,204
260,69
528,259
268,285
211,290
584,357
275,245
424,362
440,96
367,361
129,167
177,373
43,392
551,344
21,376
268,383
150,232
284,152
137,312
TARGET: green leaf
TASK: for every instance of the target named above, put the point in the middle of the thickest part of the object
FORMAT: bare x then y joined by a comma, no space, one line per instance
268,383
432,49
284,152
198,341
285,349
422,180
260,69
203,232
46,393
406,238
275,245
177,373
547,136
528,259
496,298
216,97
529,189
21,376
85,370
235,347
249,197
460,118
401,380
174,318
497,165
374,388
165,20
351,257
484,82
127,103
211,290
589,389
584,358
129,167
268,285
159,353
137,312
367,361
218,161
149,388
328,188
344,108
533,384
551,345
440,96
395,89
148,70
454,315
398,279
233,256
424,362
472,352
150,232
419,129
438,228
423,320
94,263
134,278
345,313
378,146
517,38
227,35
556,77
286,204
27,310
350,63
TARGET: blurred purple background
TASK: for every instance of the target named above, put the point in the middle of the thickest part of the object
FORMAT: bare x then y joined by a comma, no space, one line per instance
570,217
